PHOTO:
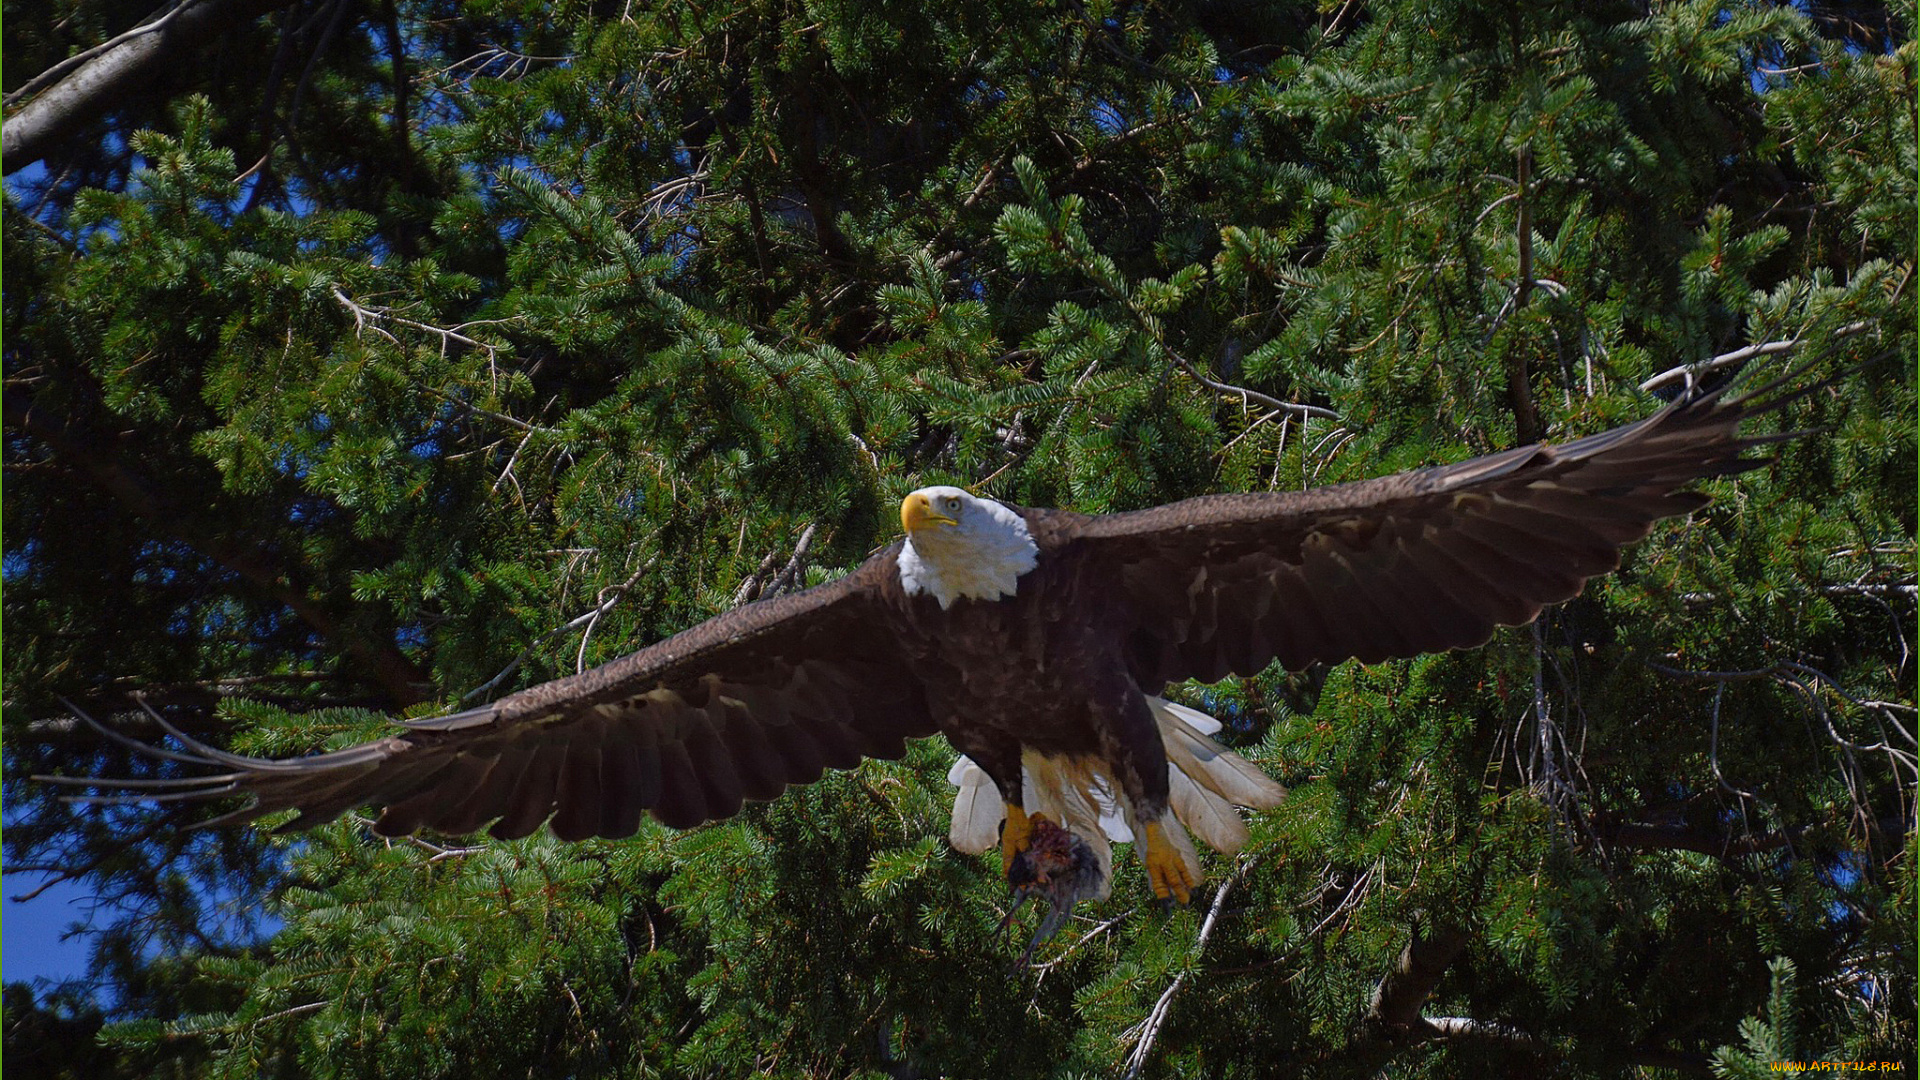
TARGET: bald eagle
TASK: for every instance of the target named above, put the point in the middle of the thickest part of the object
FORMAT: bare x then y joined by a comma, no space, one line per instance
1039,642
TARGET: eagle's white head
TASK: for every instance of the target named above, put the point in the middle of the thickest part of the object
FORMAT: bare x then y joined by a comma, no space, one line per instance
958,546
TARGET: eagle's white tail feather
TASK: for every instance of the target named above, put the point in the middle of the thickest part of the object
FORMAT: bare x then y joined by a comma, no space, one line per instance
1226,774
1205,780
1211,817
1193,718
977,810
1113,817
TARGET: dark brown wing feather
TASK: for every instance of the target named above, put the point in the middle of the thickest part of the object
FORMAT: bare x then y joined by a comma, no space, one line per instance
1406,564
735,708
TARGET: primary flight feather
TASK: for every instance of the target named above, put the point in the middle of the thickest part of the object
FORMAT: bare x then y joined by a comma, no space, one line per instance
1038,641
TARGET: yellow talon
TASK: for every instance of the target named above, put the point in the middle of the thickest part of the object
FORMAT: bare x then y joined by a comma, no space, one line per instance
1015,836
1166,870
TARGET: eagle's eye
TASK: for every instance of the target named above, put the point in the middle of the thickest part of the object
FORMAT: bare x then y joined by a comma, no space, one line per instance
953,502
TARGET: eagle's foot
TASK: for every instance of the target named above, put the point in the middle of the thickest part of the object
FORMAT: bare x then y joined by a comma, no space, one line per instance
1016,835
1166,870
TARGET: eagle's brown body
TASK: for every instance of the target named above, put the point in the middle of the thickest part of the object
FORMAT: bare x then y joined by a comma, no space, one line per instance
1044,670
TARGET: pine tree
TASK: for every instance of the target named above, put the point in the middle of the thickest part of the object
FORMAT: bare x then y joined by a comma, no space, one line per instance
376,358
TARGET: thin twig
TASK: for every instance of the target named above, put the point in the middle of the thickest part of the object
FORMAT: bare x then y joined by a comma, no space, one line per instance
1243,393
507,472
296,1010
364,315
607,598
1041,969
1798,676
437,852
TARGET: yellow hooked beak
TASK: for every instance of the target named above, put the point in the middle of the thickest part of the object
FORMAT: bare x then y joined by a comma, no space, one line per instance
917,512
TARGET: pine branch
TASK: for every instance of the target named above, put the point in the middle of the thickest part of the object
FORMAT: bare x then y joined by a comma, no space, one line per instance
192,702
1152,328
1721,844
140,495
366,316
1799,676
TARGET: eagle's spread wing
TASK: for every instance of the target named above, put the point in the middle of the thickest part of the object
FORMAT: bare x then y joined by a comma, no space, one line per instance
1405,564
735,708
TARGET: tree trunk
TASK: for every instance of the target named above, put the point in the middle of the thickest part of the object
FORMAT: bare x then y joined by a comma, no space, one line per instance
125,65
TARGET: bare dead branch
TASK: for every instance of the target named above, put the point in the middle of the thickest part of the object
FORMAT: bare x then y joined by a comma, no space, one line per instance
750,586
1149,1029
53,74
1462,1028
1690,373
1040,970
366,316
1900,589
